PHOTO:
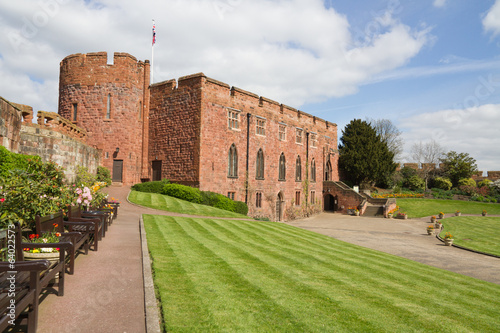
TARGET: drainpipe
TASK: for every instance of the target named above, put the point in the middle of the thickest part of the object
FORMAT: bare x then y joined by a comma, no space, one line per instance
248,152
307,166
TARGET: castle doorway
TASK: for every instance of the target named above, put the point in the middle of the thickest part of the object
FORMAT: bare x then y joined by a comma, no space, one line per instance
156,170
279,207
330,203
117,171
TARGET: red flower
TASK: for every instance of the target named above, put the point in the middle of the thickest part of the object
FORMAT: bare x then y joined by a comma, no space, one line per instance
57,249
32,236
2,200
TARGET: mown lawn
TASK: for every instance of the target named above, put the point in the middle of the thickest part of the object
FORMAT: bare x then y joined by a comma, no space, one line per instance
429,207
248,276
163,202
480,233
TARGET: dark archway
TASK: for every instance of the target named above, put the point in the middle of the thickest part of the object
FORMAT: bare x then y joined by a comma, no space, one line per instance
330,203
279,206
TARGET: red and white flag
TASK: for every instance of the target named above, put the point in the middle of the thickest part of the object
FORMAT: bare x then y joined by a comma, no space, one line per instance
154,33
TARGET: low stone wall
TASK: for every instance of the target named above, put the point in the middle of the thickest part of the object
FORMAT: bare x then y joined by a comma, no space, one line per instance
60,148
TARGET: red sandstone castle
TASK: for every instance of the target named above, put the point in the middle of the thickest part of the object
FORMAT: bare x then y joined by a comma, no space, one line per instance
200,132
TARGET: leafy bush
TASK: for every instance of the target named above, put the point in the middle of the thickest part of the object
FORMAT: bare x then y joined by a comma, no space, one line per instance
225,203
442,183
241,207
467,182
469,190
415,183
103,175
151,187
442,194
84,177
12,161
38,190
182,192
484,182
209,198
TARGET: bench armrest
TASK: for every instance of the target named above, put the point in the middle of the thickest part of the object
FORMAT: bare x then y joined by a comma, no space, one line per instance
29,266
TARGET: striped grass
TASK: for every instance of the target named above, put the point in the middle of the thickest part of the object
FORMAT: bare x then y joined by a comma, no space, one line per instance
217,275
166,203
480,233
429,207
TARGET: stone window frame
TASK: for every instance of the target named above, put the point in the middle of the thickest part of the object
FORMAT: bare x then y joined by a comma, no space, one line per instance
314,139
231,195
260,126
232,162
282,168
258,199
328,170
298,169
313,197
140,110
298,135
233,119
297,198
109,107
259,165
282,131
74,113
313,170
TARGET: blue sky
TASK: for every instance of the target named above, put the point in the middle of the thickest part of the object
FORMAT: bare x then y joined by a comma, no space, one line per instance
432,66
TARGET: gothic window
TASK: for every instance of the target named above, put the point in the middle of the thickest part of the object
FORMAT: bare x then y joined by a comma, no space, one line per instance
260,165
297,198
313,197
313,170
282,167
298,170
328,171
233,162
258,199
314,140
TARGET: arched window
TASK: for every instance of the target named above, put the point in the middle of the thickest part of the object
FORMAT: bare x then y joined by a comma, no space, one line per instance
328,171
282,167
313,170
259,174
232,162
298,169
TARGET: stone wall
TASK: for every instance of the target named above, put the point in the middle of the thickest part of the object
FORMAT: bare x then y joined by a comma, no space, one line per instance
53,138
190,135
111,102
491,175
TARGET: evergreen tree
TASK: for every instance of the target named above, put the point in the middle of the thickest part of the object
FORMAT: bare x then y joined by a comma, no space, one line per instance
364,156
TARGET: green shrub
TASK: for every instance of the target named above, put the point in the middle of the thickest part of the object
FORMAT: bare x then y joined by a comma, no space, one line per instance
84,177
12,161
415,183
209,198
103,175
442,183
241,207
225,203
182,192
467,182
151,187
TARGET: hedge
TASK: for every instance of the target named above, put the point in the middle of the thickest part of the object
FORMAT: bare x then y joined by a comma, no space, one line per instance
182,192
151,187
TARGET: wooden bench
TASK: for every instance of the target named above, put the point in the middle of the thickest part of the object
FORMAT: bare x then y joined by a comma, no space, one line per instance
19,290
96,229
56,268
79,233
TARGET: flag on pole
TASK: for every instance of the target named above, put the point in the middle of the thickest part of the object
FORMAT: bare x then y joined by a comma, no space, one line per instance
154,33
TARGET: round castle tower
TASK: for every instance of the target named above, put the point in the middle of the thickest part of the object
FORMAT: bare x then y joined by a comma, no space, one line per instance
111,102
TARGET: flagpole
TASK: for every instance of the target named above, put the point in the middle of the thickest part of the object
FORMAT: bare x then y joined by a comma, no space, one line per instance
153,52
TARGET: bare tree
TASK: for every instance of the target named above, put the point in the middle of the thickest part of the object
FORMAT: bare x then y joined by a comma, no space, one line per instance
427,153
389,134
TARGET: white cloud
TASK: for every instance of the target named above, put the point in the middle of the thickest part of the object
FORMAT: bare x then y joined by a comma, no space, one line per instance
439,3
473,131
491,21
293,51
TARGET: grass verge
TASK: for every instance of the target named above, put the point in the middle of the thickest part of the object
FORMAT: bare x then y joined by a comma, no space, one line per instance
429,207
164,202
480,233
249,276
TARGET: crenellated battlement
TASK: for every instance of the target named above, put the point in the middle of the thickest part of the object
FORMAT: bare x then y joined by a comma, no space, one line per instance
239,98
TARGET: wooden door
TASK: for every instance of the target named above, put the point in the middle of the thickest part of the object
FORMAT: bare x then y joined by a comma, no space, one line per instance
118,171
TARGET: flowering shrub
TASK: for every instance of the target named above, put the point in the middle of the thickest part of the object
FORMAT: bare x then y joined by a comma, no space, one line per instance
448,236
398,195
